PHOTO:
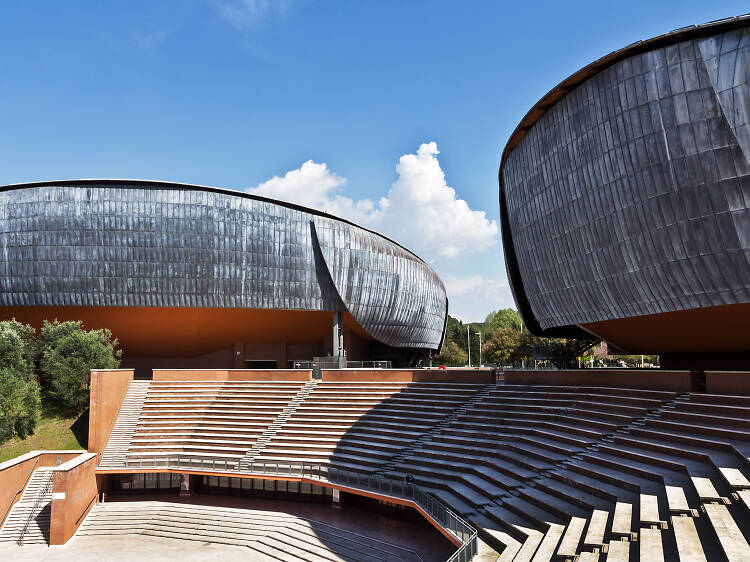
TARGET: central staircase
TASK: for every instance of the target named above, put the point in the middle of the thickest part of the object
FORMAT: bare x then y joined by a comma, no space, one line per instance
124,428
281,419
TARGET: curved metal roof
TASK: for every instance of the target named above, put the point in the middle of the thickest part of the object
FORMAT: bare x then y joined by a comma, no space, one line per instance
542,107
577,78
146,243
159,184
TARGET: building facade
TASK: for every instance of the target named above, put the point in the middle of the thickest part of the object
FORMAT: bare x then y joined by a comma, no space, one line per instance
193,276
625,199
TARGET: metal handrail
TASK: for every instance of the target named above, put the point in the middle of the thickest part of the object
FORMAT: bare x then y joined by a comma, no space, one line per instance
36,462
87,506
39,496
331,363
439,512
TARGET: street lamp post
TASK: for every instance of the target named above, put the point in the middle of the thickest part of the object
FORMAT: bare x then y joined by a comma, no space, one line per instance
468,342
480,347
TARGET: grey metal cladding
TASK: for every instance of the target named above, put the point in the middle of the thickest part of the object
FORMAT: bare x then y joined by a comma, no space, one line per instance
171,245
631,195
390,293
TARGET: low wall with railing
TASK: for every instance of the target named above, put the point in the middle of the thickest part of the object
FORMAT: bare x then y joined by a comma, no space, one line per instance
728,382
293,375
479,376
15,474
452,526
643,379
74,493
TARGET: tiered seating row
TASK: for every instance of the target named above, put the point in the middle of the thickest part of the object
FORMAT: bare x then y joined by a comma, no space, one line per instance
360,426
213,421
526,462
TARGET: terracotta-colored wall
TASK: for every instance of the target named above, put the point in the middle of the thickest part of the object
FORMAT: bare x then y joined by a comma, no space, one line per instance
74,493
232,375
480,376
106,393
682,331
15,472
728,382
647,379
152,331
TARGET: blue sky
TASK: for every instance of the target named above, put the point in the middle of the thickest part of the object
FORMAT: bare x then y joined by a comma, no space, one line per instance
241,94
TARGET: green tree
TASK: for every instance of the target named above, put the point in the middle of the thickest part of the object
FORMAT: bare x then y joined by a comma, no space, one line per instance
19,404
13,353
502,346
69,353
19,391
506,318
451,355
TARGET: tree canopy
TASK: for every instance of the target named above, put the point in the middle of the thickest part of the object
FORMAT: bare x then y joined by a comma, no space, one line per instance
19,390
69,353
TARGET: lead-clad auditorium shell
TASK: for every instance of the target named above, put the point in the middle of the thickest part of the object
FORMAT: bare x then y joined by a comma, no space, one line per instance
179,270
625,197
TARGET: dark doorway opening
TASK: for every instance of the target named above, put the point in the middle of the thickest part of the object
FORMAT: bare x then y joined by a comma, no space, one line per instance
261,364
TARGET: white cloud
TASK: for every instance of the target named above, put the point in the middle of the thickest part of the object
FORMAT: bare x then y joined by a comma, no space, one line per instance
476,285
420,211
423,210
314,185
243,14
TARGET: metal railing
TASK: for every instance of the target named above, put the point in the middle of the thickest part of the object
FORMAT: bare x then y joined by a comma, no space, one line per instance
434,508
20,491
40,495
333,363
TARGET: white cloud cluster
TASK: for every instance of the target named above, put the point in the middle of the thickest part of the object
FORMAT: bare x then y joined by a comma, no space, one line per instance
314,185
420,211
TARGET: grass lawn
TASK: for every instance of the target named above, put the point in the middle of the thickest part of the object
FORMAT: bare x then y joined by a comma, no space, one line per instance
57,429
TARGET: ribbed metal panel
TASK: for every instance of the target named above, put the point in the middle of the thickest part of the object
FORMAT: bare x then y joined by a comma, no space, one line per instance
630,196
392,295
171,245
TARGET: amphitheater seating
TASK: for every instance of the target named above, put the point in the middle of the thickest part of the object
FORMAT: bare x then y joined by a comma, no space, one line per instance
210,421
269,535
544,472
361,426
575,464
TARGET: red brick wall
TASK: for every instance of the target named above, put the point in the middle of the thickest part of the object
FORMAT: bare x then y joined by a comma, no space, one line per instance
13,474
232,375
106,393
481,376
73,495
644,379
728,382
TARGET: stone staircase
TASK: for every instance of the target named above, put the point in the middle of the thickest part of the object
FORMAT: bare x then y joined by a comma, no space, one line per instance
124,428
281,419
30,516
266,534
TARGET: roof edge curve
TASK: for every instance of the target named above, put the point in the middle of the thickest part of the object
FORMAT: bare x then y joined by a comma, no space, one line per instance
137,183
540,108
577,78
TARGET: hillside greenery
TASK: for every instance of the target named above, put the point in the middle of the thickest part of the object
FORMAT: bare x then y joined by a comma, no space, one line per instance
44,382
